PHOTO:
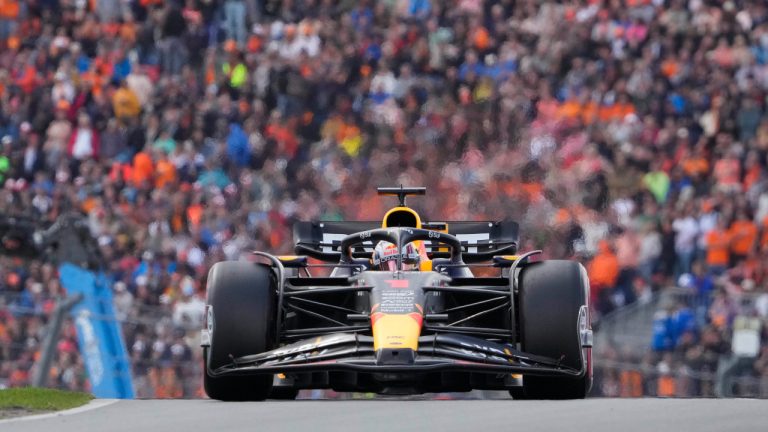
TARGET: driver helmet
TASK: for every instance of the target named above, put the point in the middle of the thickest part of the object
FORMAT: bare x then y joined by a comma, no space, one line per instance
385,256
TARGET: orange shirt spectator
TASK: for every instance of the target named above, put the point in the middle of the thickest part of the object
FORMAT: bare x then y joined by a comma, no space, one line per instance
165,173
590,112
128,32
570,109
670,68
177,222
120,172
604,268
743,234
695,166
287,143
533,191
481,38
28,79
616,111
143,168
718,241
195,214
9,9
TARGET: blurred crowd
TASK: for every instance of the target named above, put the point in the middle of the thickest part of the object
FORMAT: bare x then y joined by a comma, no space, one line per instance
701,346
629,134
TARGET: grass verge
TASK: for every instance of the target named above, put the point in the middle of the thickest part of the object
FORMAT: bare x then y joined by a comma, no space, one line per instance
41,399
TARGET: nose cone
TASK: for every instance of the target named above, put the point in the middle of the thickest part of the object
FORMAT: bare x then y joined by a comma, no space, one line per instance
396,337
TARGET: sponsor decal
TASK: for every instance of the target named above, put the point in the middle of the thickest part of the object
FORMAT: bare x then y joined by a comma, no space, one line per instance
207,333
405,229
473,239
485,352
335,239
397,301
318,345
303,356
92,352
294,349
585,333
397,283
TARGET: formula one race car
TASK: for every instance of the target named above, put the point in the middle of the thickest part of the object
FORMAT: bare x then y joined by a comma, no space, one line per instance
400,312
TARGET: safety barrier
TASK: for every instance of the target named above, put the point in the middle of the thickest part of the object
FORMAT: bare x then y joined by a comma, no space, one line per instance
150,335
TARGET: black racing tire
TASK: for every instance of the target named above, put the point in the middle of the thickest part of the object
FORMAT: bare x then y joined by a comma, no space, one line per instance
242,302
551,296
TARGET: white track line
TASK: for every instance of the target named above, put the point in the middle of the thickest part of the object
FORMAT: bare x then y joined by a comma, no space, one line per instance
92,405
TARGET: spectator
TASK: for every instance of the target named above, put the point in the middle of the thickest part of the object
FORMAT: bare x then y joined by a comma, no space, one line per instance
604,273
189,310
34,160
743,235
686,232
125,103
173,52
123,300
234,70
718,243
84,141
627,246
234,16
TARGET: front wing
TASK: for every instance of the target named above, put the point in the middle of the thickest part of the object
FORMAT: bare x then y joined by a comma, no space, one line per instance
436,353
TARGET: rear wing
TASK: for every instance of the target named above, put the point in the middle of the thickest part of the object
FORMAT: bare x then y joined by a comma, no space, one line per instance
480,241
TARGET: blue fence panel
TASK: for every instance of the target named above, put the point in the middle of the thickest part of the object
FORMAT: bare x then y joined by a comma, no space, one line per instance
99,336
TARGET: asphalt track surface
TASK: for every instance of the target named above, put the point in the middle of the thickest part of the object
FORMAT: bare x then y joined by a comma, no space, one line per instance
592,415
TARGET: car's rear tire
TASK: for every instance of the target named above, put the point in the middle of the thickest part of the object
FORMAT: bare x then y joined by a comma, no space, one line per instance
551,297
242,304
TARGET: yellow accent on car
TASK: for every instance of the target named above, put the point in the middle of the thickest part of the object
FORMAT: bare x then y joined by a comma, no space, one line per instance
293,260
505,260
396,331
395,211
444,249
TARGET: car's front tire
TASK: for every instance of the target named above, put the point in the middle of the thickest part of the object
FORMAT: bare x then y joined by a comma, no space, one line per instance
242,302
553,309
